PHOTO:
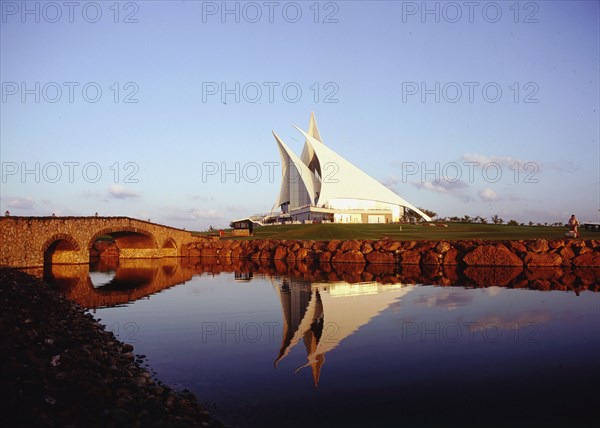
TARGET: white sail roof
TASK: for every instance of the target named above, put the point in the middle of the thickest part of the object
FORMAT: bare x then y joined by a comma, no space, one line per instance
327,176
343,180
293,170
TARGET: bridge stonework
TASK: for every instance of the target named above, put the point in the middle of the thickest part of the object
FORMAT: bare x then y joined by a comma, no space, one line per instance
32,241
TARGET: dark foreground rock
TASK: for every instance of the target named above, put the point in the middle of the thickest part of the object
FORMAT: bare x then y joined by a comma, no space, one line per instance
59,368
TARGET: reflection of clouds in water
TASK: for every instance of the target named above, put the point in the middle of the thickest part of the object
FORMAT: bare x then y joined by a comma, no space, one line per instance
445,299
569,316
492,291
101,278
512,321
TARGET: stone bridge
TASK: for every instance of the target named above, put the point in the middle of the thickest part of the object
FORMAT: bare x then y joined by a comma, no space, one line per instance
35,241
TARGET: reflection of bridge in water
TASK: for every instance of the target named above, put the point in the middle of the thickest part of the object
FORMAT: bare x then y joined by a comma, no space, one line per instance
137,278
322,315
133,280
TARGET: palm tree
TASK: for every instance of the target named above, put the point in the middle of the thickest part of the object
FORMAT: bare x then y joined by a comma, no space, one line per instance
496,219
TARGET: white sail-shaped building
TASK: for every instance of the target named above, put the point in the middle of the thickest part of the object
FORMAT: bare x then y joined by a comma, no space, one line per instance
321,185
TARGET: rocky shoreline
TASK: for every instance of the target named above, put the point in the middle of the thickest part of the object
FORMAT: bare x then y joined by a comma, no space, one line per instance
521,253
59,367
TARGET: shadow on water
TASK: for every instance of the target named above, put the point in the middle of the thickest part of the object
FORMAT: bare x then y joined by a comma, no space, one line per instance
133,279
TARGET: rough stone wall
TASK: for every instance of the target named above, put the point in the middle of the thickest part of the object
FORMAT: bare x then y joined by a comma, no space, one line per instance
528,253
25,239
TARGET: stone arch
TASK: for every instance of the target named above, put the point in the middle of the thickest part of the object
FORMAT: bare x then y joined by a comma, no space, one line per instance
169,243
169,248
72,243
118,232
60,248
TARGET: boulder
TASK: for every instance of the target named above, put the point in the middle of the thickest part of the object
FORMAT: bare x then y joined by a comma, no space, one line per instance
492,255
545,259
325,257
301,253
410,258
556,243
280,253
352,256
516,246
352,245
593,243
566,253
424,246
380,257
431,258
264,245
587,259
366,248
538,246
452,257
332,246
391,245
442,247
308,244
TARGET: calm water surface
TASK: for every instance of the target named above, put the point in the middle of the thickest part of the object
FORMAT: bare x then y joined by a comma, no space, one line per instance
266,351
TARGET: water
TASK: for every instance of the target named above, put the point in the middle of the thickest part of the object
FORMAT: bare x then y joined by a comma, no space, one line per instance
274,350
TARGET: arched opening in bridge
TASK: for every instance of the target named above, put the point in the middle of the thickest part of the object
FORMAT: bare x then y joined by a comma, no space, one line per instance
104,256
59,249
169,248
110,245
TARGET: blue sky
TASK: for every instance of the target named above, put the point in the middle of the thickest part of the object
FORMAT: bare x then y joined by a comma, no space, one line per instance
481,111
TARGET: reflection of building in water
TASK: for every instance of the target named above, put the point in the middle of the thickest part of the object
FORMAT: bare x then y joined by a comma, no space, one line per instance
243,276
323,314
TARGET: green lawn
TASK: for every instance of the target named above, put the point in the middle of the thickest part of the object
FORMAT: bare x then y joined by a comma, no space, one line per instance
454,231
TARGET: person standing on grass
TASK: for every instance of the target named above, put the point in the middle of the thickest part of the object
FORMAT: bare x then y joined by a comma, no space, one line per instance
574,224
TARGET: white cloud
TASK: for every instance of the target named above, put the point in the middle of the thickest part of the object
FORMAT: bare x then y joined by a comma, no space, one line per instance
443,186
481,160
487,195
458,189
120,192
89,194
235,208
199,214
193,214
391,181
201,198
20,203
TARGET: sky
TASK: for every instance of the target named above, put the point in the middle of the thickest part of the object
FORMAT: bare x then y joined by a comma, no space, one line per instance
164,110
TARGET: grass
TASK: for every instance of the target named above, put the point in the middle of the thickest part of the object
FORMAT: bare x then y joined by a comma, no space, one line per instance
454,231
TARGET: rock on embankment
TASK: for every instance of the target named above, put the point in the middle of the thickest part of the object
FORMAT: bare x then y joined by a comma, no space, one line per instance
538,253
58,367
